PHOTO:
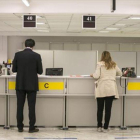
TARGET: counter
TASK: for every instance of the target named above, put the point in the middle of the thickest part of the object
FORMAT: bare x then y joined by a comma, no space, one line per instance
82,106
3,101
50,103
132,102
70,101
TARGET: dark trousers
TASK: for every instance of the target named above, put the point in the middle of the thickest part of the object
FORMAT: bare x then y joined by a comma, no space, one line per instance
100,107
21,96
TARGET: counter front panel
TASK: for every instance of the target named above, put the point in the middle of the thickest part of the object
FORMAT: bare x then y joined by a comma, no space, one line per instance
81,104
49,111
2,85
3,109
132,102
49,105
46,86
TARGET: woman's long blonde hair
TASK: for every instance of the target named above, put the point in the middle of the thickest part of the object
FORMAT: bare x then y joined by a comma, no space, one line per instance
106,57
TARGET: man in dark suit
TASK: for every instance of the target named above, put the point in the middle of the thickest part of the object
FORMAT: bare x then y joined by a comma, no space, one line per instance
27,64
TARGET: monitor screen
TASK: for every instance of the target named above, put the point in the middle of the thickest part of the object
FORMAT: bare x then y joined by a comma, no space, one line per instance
54,71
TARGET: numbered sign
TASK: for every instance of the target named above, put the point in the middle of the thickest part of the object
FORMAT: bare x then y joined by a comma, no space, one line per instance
88,22
29,21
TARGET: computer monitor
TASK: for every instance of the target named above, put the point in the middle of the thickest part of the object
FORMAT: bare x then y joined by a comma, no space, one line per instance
54,71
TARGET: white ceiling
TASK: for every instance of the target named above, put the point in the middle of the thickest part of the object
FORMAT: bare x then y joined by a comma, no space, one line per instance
70,6
67,24
64,17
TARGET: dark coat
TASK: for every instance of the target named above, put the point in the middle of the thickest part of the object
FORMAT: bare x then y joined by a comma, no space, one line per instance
27,64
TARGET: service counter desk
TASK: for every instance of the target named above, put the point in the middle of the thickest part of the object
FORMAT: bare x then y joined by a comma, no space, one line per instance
50,103
81,106
3,101
65,101
132,102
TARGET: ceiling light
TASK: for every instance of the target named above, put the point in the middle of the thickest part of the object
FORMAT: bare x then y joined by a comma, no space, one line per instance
43,31
26,2
36,16
104,31
120,24
39,16
134,18
112,29
40,23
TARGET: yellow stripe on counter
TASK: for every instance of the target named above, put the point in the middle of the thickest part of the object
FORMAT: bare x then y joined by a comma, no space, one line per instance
43,85
12,85
133,86
51,85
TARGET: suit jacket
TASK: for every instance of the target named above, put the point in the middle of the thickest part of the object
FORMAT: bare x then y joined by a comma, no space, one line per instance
27,64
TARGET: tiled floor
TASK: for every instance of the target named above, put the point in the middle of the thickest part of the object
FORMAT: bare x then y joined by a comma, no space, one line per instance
79,133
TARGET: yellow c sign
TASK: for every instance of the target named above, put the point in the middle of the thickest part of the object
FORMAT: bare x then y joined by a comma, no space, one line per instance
51,85
43,85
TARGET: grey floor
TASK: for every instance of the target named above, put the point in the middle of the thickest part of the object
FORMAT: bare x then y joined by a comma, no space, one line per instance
79,133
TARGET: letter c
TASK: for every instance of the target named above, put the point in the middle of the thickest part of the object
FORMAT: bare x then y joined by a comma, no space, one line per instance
46,85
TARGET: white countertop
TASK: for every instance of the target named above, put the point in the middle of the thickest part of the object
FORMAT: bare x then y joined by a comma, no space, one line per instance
72,77
65,76
44,76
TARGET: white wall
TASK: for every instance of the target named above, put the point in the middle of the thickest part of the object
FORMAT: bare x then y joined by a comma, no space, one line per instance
14,44
75,43
3,49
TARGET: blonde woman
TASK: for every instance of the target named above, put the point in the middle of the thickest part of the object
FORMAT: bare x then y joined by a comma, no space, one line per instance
106,88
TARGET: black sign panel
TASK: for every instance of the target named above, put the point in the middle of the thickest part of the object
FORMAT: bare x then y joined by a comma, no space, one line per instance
89,25
89,22
29,24
29,21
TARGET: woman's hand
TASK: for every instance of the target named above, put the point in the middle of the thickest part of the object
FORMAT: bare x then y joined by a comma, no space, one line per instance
91,75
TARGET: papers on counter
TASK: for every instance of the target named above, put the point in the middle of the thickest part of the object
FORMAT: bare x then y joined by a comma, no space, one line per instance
79,75
85,75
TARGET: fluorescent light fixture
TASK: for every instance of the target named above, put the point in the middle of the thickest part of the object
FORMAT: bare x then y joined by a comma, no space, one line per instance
134,18
43,31
120,24
36,16
26,2
40,23
104,31
39,16
112,29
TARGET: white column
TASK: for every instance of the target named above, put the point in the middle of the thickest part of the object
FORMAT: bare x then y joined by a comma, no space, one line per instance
3,49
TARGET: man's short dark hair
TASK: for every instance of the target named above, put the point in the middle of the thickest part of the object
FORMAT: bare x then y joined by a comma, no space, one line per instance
29,43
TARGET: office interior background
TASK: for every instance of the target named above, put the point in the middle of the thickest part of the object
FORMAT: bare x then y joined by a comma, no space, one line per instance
59,30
